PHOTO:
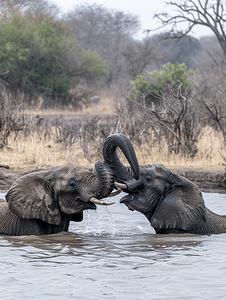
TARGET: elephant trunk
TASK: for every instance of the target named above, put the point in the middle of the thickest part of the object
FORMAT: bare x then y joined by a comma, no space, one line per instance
104,181
126,175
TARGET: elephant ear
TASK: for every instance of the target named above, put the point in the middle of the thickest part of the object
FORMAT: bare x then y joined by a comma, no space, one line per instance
32,197
183,208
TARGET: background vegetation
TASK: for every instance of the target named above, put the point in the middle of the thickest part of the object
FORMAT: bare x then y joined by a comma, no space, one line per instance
68,81
151,90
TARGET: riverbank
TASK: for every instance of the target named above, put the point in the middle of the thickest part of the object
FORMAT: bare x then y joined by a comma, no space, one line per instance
207,179
211,181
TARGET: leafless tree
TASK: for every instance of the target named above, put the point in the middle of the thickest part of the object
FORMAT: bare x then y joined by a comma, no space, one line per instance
212,93
217,114
96,27
137,55
177,120
209,13
11,119
104,31
211,84
35,6
183,50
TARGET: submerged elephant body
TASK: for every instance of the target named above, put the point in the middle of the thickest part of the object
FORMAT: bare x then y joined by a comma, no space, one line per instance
171,203
21,226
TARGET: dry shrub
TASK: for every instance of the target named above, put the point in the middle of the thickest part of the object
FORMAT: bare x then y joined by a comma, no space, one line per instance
76,99
93,135
50,139
45,152
211,152
80,96
12,119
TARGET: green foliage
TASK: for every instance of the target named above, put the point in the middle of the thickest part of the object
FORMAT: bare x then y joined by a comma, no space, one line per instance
172,74
94,64
43,56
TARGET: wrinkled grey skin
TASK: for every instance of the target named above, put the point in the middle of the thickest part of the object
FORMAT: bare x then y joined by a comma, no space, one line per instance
45,202
171,203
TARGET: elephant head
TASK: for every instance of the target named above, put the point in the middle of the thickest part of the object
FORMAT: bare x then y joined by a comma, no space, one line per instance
68,189
171,203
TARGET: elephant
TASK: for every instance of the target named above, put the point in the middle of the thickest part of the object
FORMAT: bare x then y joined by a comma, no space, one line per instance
170,202
45,202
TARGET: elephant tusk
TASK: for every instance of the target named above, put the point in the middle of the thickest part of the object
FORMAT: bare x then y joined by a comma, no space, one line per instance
120,185
115,193
97,201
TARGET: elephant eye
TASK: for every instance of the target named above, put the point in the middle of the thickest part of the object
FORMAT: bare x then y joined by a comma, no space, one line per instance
72,184
148,178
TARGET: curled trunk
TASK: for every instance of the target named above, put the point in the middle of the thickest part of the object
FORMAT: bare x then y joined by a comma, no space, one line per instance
127,175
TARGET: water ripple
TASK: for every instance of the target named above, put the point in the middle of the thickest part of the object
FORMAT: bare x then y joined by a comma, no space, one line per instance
114,254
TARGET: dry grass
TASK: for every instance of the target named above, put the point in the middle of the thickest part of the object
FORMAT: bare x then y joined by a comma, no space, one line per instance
211,154
39,152
105,107
29,152
33,152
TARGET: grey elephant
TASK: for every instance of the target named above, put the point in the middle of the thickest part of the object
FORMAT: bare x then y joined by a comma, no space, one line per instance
171,203
45,202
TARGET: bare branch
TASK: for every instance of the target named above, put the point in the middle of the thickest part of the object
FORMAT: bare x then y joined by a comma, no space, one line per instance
195,12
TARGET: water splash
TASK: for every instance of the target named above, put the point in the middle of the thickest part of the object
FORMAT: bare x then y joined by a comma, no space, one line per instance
95,224
106,223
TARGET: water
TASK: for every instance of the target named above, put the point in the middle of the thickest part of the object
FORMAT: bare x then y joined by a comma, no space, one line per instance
114,254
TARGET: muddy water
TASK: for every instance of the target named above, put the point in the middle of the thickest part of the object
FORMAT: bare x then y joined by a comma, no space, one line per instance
114,254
